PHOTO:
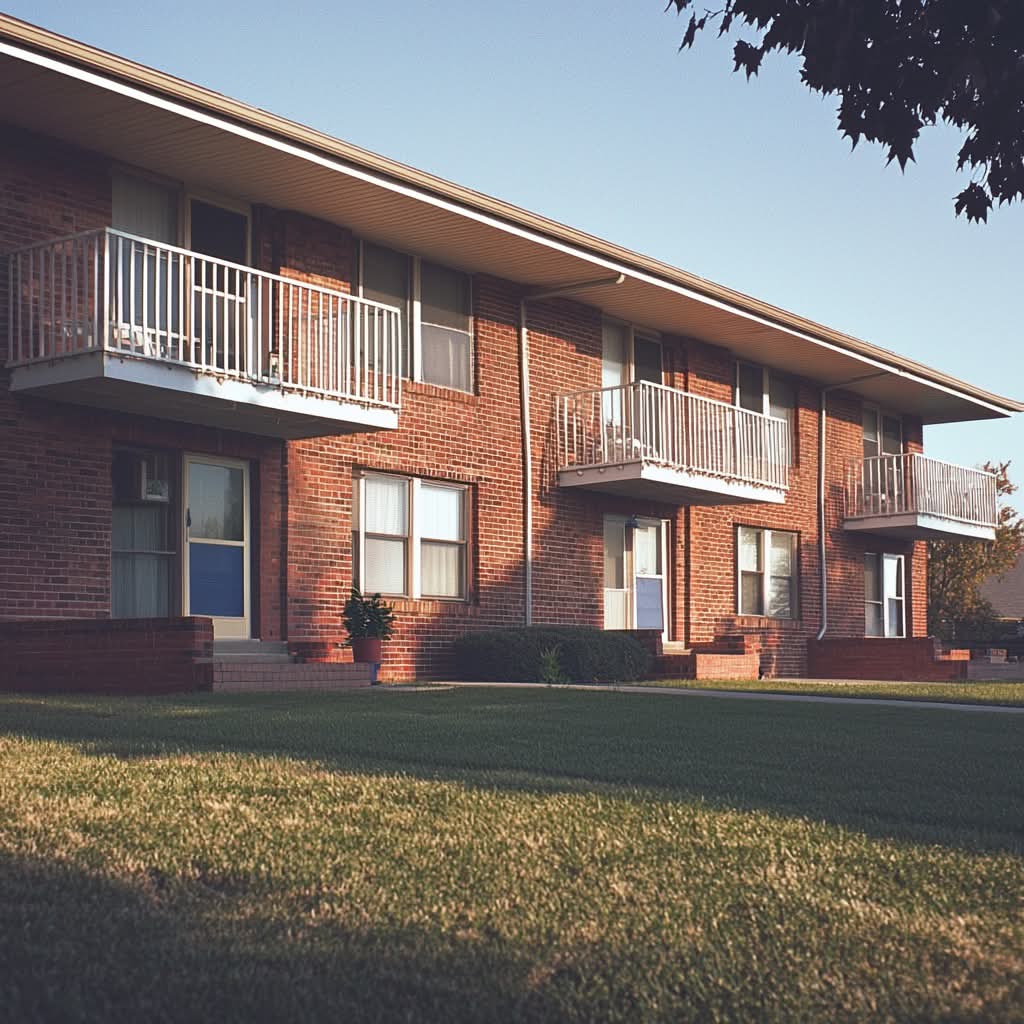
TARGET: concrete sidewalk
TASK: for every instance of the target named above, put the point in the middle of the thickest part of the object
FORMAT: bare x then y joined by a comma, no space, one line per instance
804,698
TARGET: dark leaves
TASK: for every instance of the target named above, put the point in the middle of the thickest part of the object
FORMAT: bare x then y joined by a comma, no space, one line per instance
747,57
897,66
975,202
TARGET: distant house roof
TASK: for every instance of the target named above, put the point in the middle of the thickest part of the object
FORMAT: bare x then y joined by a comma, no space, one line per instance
1007,593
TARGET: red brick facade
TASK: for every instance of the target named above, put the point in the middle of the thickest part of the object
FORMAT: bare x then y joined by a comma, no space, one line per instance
55,482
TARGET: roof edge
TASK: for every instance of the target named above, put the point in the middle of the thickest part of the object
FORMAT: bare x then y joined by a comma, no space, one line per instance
182,91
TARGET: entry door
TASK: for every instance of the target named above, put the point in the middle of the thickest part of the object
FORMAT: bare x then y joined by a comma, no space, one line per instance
634,574
216,531
220,300
883,471
626,358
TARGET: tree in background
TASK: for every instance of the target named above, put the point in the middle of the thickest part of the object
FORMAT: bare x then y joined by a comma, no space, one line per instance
956,570
898,65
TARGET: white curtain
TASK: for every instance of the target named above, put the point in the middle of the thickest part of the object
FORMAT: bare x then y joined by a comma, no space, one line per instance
441,567
440,512
140,573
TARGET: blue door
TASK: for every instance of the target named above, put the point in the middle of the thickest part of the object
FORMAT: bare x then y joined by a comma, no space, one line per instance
217,549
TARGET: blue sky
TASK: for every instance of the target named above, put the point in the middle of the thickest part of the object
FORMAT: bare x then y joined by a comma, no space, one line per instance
585,112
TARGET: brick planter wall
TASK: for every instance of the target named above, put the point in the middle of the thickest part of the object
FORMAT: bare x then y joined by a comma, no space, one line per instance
113,656
911,660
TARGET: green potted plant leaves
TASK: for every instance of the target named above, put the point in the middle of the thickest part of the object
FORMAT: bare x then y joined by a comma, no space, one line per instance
369,620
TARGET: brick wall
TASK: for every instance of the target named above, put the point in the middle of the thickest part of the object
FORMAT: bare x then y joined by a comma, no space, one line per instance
55,459
117,656
914,659
55,472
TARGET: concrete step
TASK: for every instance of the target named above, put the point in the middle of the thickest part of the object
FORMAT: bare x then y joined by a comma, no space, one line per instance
674,647
270,652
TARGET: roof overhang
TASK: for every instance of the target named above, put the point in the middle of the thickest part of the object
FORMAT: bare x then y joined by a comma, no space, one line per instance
137,116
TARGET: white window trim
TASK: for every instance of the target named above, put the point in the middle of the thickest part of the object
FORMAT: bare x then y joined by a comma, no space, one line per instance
902,575
765,543
415,313
414,537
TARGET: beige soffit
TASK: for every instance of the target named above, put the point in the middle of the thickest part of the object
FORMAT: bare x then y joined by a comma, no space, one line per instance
654,293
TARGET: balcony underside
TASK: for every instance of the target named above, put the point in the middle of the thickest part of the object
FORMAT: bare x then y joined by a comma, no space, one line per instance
651,482
919,526
105,380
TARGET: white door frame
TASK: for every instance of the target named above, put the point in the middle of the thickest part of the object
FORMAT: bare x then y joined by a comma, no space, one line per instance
630,576
223,627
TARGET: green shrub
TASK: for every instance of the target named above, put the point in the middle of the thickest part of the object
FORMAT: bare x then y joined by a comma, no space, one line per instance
576,654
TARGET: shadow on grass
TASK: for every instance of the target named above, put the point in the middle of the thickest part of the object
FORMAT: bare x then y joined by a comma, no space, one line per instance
920,775
81,947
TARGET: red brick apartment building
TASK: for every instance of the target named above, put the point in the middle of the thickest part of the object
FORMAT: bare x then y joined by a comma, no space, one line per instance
245,365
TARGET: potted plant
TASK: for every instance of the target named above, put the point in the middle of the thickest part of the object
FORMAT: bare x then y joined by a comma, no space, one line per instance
369,621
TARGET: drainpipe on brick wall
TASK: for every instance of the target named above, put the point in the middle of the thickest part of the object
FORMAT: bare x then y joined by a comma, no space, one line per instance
823,567
524,408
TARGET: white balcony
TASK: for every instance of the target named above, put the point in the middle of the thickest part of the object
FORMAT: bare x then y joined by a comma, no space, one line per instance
648,441
118,322
916,498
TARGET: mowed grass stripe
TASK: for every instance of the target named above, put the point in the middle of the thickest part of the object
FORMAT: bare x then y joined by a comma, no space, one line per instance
475,856
1003,694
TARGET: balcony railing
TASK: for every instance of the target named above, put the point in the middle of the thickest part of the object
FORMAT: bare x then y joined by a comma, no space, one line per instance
911,484
107,291
658,425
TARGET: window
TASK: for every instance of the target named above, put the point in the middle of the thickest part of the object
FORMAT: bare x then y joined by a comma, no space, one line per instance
767,573
883,595
143,555
883,433
769,393
410,537
436,305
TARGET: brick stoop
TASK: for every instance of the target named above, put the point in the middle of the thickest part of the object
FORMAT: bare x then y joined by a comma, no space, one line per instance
732,657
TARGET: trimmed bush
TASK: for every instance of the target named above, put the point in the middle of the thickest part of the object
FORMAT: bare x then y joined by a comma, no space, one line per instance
572,654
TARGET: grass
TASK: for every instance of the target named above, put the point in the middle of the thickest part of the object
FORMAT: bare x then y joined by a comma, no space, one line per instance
1007,694
504,855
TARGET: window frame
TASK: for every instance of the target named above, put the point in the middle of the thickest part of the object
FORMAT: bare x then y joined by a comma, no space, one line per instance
414,536
413,354
882,557
764,548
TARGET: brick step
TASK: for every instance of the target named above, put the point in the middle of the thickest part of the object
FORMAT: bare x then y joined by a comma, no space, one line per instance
242,676
706,665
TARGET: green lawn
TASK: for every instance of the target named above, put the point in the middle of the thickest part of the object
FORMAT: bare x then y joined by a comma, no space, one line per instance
946,693
507,855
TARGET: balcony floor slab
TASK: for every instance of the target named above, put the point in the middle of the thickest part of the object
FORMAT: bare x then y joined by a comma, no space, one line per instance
145,387
652,482
918,526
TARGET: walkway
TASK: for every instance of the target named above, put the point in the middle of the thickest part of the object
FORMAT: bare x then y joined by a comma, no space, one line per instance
800,698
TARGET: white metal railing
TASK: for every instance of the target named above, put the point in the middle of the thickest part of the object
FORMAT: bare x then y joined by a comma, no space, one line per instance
111,291
656,424
911,483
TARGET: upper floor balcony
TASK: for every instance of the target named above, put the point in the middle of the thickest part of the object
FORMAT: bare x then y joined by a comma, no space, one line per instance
115,321
645,440
914,497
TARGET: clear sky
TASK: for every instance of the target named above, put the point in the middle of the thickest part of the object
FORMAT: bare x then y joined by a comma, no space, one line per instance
586,112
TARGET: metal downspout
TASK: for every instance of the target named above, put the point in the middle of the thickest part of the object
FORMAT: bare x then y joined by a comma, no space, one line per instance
524,425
